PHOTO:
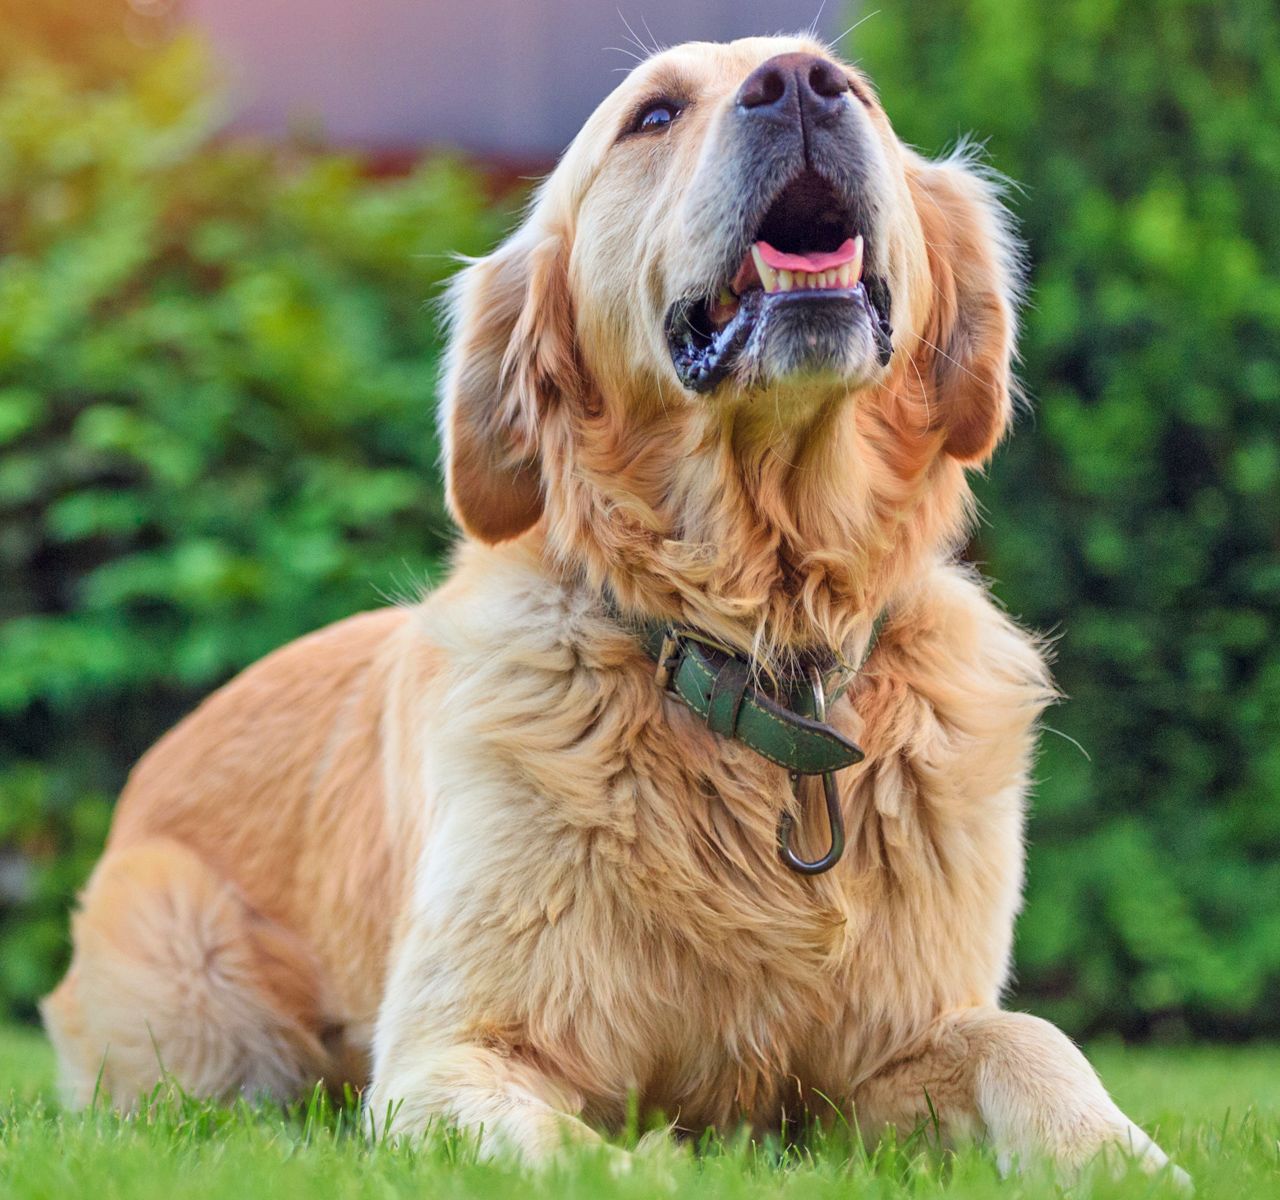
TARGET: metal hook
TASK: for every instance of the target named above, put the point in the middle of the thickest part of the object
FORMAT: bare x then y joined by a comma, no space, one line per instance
835,818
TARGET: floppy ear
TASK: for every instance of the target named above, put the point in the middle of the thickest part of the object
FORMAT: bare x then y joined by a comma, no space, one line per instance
974,261
511,358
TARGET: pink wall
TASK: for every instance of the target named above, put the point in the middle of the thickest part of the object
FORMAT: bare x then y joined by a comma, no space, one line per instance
508,76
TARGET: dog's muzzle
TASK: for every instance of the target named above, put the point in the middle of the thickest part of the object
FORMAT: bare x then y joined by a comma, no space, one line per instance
802,281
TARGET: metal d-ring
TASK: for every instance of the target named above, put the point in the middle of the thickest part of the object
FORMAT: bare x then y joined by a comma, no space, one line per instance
835,818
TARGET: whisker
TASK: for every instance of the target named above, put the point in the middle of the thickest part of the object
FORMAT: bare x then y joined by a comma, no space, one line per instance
873,13
953,361
639,44
645,22
813,25
631,54
1066,737
924,392
662,397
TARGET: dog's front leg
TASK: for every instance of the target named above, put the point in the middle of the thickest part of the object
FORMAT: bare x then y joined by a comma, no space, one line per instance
509,1106
1017,1080
433,1065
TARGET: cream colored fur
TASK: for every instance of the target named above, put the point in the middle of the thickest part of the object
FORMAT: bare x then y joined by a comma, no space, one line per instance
469,854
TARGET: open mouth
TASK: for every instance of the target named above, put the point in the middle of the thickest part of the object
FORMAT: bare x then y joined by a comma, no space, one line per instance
805,251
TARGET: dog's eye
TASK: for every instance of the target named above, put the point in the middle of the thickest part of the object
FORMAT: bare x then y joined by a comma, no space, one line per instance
657,115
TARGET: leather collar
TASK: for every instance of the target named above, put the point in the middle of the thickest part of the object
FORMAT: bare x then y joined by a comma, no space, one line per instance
737,698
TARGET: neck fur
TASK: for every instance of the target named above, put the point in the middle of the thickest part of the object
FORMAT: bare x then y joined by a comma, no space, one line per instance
771,539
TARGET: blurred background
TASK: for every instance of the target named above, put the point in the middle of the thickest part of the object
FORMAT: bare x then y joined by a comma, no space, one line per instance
221,229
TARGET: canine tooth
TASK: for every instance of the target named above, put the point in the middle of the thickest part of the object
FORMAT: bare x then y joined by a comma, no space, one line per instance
785,280
855,263
768,276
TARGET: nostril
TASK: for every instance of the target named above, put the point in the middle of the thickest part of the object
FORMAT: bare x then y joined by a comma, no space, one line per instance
766,86
776,86
827,80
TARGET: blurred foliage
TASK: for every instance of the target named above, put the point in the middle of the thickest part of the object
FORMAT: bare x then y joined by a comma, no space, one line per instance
217,370
1137,513
217,364
90,41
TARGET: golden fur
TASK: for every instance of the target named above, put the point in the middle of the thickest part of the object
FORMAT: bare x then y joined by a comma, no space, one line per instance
469,854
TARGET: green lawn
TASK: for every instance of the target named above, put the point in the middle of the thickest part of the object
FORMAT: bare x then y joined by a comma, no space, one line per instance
1216,1110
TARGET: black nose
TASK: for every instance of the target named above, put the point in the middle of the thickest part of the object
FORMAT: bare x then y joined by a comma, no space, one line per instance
804,86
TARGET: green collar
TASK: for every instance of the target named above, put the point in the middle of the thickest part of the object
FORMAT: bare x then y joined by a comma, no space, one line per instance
782,723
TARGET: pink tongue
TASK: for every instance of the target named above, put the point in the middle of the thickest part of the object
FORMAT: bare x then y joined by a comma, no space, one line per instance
821,261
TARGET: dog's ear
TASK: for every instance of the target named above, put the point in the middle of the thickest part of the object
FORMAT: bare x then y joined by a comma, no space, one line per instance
974,261
511,359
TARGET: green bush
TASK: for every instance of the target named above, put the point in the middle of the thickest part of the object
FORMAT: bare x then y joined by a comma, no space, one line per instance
216,375
1137,513
217,369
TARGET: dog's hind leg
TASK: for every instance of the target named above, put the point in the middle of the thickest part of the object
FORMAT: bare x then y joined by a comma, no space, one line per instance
174,974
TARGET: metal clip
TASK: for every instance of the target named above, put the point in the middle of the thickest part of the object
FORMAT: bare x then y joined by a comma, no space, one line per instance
835,818
666,660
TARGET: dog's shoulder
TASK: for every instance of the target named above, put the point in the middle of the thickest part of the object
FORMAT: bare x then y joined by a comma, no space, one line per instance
947,630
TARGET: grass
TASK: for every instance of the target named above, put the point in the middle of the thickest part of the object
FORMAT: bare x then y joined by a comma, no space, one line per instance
1217,1110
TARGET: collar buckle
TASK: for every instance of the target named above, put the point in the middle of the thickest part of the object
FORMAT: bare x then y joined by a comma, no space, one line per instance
668,659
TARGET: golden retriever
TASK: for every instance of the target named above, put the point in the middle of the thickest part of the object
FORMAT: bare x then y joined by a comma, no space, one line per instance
725,380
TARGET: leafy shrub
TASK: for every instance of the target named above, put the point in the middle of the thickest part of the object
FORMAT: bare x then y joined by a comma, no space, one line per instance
216,377
217,369
1138,514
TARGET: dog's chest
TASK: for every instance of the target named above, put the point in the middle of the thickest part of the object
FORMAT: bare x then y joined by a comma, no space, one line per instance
621,912
599,886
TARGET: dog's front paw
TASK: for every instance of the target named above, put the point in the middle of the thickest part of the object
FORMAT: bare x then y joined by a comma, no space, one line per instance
638,1167
653,1161
1130,1147
1116,1149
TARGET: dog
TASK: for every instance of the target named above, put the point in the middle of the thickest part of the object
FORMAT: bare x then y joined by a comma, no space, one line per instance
702,778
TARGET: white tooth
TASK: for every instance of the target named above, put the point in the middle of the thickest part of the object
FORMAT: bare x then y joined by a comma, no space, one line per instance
768,276
803,280
830,278
785,281
855,264
842,276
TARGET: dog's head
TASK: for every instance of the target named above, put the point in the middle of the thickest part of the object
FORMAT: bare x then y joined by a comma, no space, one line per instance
744,338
